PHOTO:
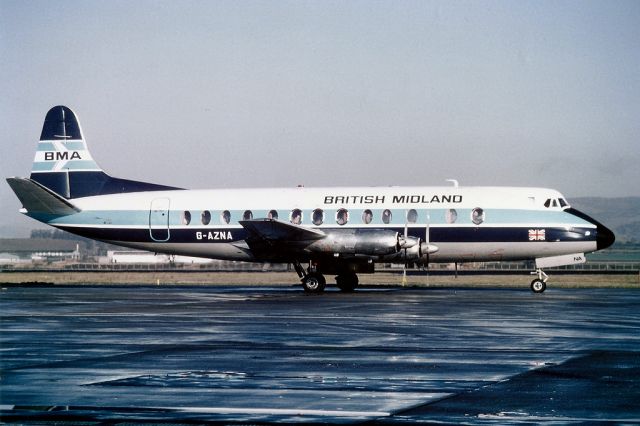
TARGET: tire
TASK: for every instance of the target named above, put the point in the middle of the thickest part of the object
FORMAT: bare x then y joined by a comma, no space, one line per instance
314,283
347,283
538,286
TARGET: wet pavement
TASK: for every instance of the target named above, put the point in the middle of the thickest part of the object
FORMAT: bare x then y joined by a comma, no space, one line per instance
178,355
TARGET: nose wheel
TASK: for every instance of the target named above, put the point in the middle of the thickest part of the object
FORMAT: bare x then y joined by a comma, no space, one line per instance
539,285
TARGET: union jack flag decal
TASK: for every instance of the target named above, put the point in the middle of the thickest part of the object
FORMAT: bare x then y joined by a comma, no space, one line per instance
537,235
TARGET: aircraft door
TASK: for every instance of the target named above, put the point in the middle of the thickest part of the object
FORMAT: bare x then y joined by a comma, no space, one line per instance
159,219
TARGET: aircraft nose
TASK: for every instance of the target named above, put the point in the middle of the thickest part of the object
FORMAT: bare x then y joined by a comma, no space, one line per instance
604,237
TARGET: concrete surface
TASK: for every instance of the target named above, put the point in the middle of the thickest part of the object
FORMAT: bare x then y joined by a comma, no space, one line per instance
148,354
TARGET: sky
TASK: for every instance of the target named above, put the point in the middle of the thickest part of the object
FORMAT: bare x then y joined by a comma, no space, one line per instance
212,94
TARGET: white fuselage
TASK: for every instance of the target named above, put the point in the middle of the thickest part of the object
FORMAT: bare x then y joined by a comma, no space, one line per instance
464,223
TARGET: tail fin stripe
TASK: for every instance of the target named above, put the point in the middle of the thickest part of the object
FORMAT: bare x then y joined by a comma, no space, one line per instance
70,145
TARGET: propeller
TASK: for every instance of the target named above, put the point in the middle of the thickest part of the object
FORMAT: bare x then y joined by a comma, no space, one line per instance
428,243
418,246
406,230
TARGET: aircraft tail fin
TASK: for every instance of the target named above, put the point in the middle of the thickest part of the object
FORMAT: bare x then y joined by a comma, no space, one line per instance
37,199
61,150
64,165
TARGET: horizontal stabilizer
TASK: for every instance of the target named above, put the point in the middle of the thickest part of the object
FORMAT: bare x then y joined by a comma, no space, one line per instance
36,198
273,230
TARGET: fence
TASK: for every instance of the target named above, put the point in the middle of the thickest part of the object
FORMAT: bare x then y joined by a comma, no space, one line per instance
230,266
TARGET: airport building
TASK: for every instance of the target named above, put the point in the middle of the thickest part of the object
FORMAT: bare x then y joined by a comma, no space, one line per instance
28,250
146,257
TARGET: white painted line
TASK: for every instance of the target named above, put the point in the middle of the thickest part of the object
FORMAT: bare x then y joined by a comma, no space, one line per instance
275,411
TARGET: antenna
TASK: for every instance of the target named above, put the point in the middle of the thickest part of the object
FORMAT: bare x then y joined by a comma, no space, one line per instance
454,182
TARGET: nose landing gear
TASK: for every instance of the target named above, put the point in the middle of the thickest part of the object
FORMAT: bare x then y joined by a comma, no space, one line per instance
539,285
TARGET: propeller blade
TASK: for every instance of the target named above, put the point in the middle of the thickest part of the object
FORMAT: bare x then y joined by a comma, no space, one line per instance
406,239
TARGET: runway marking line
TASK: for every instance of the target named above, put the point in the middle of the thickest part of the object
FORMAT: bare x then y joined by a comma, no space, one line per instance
275,411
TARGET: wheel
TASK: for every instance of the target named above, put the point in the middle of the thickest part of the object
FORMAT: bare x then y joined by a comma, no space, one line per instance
314,283
538,286
347,282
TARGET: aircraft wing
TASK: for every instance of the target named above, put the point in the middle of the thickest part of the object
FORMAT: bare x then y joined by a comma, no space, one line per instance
272,231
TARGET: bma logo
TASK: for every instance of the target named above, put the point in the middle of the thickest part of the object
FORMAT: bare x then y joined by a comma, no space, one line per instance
61,156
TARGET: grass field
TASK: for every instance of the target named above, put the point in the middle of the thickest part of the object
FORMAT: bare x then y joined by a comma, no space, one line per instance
290,279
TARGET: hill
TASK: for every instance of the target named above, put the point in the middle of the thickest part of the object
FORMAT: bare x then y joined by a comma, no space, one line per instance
618,214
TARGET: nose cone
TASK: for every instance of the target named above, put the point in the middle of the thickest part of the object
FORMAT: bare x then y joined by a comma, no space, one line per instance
604,237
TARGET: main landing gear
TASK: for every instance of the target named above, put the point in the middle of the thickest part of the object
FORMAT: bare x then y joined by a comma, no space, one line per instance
314,282
539,285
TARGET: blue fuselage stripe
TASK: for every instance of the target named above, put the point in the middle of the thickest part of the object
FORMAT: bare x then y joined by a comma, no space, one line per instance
451,234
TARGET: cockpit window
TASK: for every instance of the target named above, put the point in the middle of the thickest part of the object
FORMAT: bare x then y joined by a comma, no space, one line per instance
555,202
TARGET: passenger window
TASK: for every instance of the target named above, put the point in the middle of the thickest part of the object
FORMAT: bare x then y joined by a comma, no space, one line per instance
225,217
317,217
412,216
186,217
386,216
342,216
367,216
477,216
273,214
247,215
296,216
451,216
205,217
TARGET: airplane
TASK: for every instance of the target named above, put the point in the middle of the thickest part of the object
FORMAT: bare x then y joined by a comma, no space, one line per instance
340,231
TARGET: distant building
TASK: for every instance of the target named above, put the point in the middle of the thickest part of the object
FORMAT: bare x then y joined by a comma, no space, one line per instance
146,257
9,258
22,250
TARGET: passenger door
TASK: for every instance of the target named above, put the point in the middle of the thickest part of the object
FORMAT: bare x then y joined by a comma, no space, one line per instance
159,219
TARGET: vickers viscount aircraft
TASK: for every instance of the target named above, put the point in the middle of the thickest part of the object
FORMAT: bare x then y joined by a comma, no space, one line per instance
338,231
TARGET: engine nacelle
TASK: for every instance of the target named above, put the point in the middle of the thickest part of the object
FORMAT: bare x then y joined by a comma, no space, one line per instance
369,242
412,249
